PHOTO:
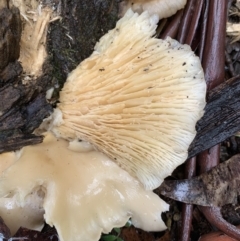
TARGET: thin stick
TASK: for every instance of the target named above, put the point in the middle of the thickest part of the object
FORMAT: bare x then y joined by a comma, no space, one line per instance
187,209
172,27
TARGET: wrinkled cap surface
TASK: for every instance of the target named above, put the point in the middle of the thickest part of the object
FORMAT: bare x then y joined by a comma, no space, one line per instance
85,193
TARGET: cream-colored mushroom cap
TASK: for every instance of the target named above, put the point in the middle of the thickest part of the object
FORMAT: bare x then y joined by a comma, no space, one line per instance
163,8
29,215
136,99
85,192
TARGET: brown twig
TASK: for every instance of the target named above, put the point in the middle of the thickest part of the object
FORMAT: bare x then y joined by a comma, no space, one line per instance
172,27
187,209
203,28
189,20
214,216
213,64
186,21
213,60
208,159
194,22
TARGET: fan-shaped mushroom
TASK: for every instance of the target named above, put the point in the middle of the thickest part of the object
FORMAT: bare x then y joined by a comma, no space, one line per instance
136,99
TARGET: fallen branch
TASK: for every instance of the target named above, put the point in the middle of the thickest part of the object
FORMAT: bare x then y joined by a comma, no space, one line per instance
221,119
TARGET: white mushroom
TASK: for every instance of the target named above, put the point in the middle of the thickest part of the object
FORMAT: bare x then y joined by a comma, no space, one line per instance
136,99
85,192
163,8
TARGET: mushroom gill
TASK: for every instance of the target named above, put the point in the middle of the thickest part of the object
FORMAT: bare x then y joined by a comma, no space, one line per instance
136,99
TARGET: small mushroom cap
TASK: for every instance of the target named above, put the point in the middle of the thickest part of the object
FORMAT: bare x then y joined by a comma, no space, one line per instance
163,8
85,192
136,99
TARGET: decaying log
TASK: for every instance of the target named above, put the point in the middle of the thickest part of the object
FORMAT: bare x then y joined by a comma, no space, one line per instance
10,33
22,110
72,39
22,107
221,118
14,140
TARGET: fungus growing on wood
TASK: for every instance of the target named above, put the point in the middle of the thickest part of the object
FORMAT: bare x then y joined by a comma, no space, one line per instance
136,99
163,8
85,192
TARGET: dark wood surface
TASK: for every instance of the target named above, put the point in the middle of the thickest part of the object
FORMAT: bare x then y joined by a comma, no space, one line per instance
221,119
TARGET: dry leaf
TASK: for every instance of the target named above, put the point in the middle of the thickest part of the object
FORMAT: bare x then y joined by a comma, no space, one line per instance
217,187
